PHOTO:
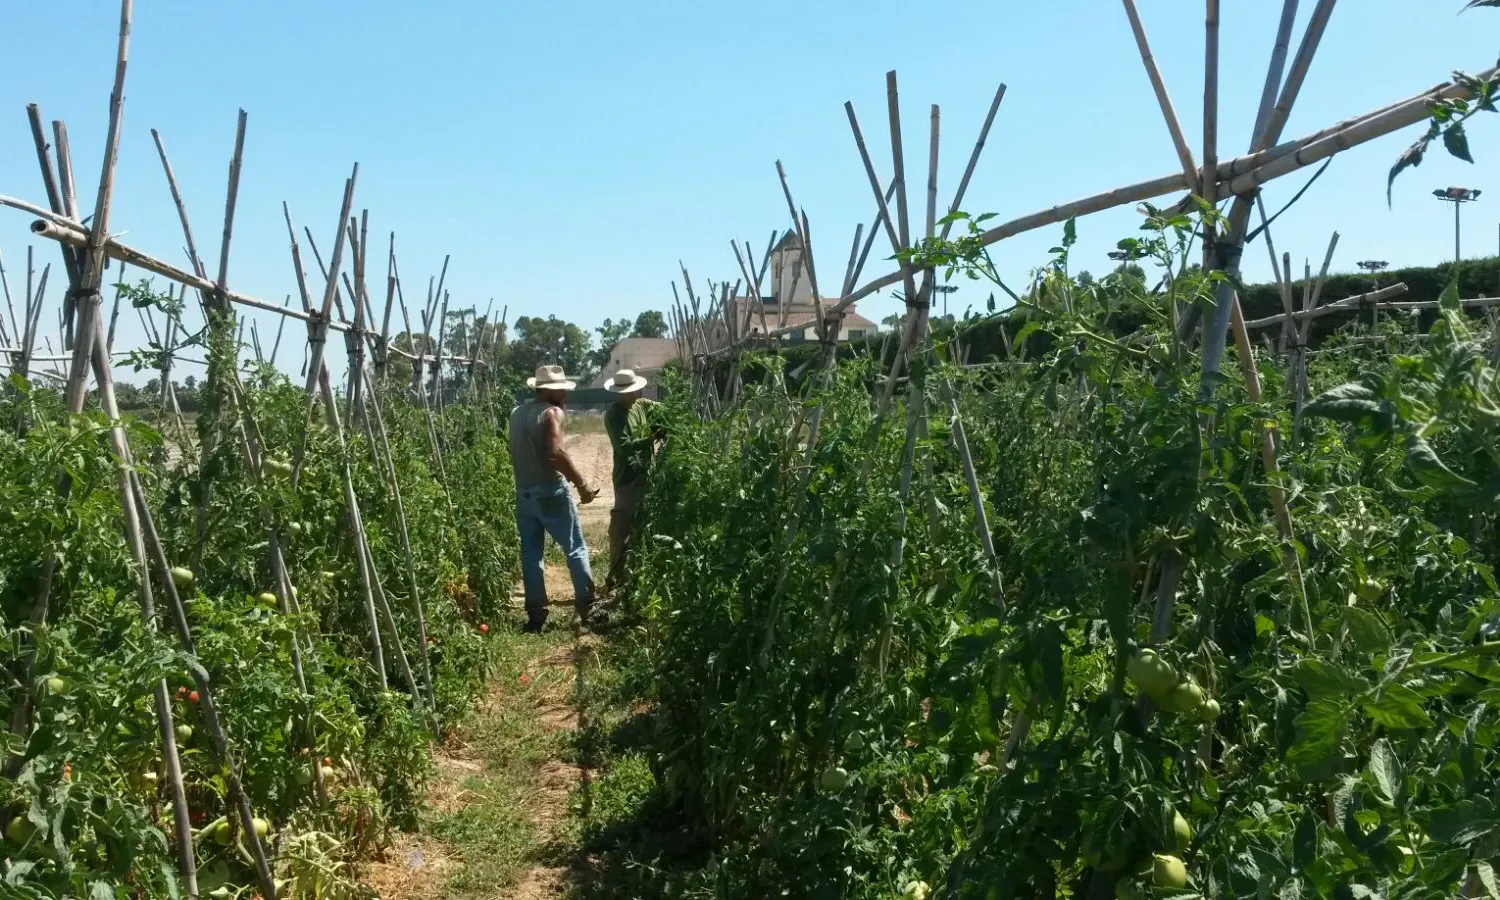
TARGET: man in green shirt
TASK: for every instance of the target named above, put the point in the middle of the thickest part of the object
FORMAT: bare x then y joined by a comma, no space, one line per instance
633,437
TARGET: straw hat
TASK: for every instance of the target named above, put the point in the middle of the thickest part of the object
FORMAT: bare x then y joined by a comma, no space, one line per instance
625,381
550,378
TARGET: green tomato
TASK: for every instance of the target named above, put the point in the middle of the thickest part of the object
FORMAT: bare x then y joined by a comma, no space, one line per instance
223,835
1371,590
915,890
1209,711
1151,673
304,777
184,733
268,599
20,830
57,685
1182,831
262,827
295,528
834,779
854,742
1185,698
183,578
1169,872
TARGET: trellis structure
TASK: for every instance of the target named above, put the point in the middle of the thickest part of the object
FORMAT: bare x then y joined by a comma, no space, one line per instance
86,347
1235,182
706,331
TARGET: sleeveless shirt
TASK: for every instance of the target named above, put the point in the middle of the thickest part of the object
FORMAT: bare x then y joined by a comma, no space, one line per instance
528,445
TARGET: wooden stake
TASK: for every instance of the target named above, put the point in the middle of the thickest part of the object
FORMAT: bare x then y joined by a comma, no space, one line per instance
1163,100
1274,70
230,202
1208,179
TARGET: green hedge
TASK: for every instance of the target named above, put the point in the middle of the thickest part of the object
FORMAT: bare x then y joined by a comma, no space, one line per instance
1480,277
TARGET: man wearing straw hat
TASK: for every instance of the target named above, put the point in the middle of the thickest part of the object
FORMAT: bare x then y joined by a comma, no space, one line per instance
543,504
633,438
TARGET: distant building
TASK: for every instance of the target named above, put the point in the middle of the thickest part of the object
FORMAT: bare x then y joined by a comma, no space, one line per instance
647,356
790,301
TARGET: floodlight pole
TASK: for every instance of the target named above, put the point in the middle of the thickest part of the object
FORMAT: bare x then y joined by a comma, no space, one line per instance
1458,196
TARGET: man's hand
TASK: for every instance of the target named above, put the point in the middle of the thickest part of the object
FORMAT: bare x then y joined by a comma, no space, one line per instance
587,493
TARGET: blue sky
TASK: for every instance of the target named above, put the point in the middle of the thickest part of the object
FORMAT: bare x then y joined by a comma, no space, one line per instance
567,154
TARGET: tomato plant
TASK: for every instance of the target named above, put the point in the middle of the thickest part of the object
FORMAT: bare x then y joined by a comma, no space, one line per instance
86,806
1163,702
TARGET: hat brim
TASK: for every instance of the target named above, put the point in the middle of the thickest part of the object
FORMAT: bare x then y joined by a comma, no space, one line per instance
636,385
552,385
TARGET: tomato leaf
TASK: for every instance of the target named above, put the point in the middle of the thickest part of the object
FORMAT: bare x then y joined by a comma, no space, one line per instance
1486,875
1412,156
1430,470
1397,706
1457,141
1385,769
1366,630
1464,822
1352,402
1320,731
1326,681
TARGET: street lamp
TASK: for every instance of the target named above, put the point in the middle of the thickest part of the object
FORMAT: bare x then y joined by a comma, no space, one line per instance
1374,267
945,290
1458,196
1125,256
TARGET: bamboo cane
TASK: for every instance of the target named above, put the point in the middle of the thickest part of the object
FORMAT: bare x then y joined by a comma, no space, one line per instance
69,208
1299,373
71,258
114,314
411,569
1283,287
215,306
318,378
280,324
1239,214
382,353
229,206
10,305
91,344
1179,142
905,275
355,390
1380,298
799,225
1276,69
249,430
1207,179
182,215
437,367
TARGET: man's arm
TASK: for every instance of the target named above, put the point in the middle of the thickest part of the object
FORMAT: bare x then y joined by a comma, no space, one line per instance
559,458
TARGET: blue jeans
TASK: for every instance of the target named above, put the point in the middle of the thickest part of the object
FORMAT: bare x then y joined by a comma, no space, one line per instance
549,509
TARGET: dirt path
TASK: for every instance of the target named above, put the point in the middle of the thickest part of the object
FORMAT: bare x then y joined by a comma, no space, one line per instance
497,814
595,461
